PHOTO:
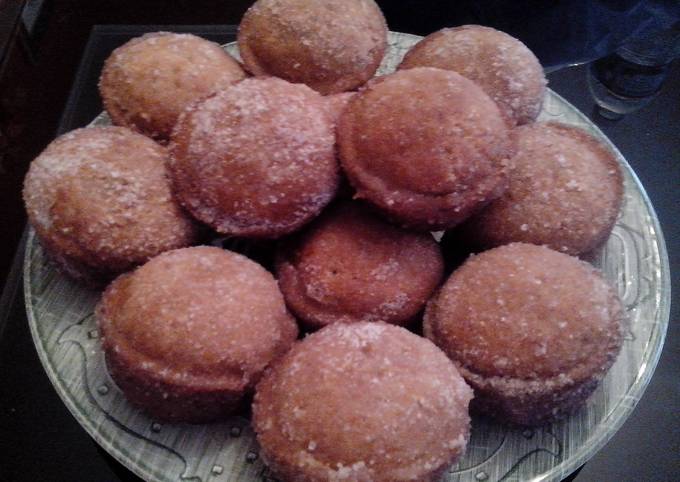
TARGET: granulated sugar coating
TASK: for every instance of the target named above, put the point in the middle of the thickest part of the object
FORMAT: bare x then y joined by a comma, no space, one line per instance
532,330
426,146
351,266
362,402
100,202
150,80
330,45
500,64
257,159
187,335
565,192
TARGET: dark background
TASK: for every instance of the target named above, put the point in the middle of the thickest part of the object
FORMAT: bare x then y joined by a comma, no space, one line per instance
40,55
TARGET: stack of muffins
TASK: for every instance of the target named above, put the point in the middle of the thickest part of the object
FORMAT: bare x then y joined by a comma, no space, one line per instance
344,176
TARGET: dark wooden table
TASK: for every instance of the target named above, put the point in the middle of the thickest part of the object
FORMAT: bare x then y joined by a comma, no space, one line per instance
40,440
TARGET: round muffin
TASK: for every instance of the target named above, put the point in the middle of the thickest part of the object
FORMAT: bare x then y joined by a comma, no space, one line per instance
500,64
100,202
187,335
565,192
533,331
351,266
148,82
330,45
366,401
425,146
257,159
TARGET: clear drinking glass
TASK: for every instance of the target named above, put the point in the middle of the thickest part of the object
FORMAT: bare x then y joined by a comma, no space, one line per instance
631,77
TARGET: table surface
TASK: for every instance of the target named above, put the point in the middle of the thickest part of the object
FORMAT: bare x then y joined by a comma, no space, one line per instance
40,440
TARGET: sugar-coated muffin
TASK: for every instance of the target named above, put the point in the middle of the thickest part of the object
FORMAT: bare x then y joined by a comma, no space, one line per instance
352,266
330,45
500,64
148,82
187,335
100,202
257,159
565,192
366,401
532,330
425,146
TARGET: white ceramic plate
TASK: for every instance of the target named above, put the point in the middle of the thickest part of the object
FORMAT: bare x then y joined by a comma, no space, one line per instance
634,259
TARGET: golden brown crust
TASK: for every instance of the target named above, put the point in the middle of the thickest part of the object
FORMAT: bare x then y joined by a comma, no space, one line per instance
257,159
330,45
425,146
351,266
86,274
531,329
565,192
500,64
528,402
345,403
187,335
150,80
100,202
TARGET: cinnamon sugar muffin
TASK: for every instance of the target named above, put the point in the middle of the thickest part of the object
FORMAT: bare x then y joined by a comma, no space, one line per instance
533,331
148,82
500,64
565,192
256,160
351,266
187,335
100,202
425,146
330,45
366,401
